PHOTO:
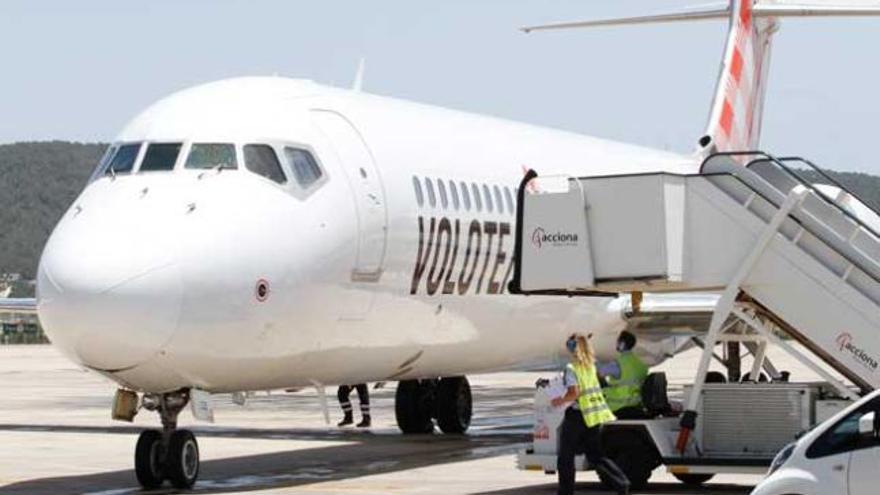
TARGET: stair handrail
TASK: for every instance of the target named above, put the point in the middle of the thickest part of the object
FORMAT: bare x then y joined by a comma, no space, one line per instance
800,179
830,179
763,156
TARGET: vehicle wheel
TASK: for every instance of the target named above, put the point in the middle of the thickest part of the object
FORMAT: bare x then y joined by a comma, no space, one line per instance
635,457
715,377
148,459
762,377
454,404
182,462
693,479
412,407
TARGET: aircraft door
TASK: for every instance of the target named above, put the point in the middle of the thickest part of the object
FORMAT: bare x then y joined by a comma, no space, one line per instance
363,177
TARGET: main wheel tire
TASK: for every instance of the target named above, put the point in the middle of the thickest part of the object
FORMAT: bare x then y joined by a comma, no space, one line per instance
693,479
412,407
148,459
635,457
454,405
182,461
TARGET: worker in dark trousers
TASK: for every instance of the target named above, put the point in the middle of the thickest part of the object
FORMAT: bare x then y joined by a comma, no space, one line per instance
581,429
363,397
625,376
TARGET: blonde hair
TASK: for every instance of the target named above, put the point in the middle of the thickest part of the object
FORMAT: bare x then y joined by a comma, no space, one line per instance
584,353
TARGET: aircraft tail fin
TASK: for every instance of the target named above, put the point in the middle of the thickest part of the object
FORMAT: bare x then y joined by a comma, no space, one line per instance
735,116
736,112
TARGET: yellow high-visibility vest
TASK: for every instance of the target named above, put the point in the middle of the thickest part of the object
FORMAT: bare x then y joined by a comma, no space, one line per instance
626,391
590,399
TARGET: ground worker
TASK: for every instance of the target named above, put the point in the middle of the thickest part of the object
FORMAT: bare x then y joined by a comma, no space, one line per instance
581,430
625,376
363,397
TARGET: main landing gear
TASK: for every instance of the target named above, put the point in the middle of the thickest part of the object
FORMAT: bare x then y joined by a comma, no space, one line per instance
170,454
418,403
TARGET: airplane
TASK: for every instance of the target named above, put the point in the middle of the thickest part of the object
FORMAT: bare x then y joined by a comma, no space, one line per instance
263,233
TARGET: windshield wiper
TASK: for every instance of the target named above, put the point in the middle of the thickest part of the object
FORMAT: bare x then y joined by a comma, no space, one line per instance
216,168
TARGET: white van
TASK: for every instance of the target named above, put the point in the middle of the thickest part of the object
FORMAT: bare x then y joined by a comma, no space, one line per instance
840,456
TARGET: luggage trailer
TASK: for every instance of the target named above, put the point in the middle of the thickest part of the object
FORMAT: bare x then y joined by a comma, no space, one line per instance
740,427
797,266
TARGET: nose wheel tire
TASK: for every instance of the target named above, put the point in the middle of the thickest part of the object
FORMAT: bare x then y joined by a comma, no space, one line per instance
148,459
182,462
178,462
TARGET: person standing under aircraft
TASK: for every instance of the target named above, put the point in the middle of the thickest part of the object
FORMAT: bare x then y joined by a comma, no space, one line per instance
363,397
581,429
625,376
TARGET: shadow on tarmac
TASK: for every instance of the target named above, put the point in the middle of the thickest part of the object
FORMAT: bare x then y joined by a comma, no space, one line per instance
370,454
596,488
501,426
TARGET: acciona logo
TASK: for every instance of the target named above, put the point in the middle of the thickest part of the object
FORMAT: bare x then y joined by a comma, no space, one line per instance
540,238
845,343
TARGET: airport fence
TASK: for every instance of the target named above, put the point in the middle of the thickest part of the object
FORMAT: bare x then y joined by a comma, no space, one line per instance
22,332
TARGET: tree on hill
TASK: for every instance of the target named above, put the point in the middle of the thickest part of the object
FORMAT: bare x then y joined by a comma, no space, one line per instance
38,182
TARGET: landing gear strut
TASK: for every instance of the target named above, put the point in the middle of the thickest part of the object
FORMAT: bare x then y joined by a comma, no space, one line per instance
448,400
170,454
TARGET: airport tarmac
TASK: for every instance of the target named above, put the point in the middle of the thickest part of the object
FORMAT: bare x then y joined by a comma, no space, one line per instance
56,437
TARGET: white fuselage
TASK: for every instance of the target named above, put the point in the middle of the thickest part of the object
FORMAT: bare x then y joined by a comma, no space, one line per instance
151,277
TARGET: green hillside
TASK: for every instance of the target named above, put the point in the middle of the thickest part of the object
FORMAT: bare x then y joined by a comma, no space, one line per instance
38,181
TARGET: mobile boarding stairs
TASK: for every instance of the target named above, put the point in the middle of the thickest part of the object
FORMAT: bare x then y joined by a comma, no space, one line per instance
789,258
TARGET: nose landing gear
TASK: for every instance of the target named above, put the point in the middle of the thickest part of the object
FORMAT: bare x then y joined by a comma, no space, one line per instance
170,454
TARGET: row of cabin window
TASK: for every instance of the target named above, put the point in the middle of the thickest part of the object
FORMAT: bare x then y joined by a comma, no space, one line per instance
260,159
460,194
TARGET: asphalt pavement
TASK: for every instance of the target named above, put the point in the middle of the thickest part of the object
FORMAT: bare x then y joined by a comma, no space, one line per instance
56,437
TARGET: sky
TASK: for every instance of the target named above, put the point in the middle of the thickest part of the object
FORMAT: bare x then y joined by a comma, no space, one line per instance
80,70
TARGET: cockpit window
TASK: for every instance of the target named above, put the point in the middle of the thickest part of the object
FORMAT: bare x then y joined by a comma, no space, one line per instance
123,160
160,156
305,168
211,156
262,160
105,161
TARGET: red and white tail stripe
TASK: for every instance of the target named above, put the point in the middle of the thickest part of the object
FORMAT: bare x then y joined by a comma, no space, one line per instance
735,122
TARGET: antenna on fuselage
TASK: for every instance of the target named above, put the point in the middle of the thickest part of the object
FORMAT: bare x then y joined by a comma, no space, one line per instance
358,82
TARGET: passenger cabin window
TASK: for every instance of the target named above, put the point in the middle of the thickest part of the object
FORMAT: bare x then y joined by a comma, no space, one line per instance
465,196
305,168
432,199
498,200
488,197
123,160
204,156
509,199
453,191
478,203
262,160
417,187
444,200
160,156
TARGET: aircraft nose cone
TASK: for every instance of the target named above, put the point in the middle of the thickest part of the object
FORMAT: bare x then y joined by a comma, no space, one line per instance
109,293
